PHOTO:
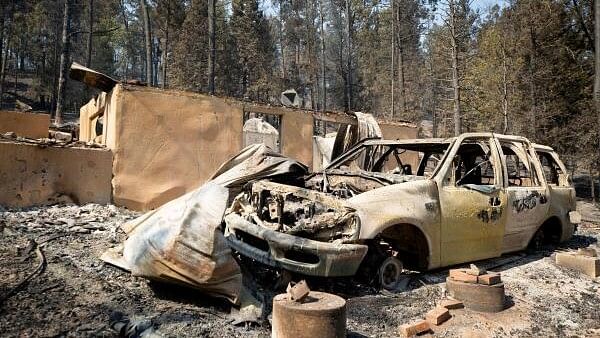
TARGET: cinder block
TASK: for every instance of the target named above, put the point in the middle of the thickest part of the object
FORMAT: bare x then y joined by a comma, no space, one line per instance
413,329
437,315
586,264
460,275
451,304
489,279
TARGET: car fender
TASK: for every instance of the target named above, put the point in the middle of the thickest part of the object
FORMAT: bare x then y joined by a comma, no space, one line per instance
414,202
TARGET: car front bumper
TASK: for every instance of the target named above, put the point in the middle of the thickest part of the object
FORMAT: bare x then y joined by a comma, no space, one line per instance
293,253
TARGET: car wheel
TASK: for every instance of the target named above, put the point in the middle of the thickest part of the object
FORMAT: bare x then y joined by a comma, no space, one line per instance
390,273
537,242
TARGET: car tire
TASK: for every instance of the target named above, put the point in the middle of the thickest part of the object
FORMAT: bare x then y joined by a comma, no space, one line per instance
537,241
390,273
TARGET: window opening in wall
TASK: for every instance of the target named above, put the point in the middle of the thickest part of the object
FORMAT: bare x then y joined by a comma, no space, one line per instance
262,128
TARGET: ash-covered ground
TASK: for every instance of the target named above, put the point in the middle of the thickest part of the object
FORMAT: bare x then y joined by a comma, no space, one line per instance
77,294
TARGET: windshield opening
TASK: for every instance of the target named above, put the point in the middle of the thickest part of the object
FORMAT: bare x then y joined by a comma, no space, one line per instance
398,159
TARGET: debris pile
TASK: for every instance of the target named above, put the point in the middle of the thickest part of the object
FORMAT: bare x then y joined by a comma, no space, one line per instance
182,243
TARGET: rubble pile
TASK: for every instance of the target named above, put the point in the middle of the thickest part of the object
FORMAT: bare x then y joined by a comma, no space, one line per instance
69,218
78,294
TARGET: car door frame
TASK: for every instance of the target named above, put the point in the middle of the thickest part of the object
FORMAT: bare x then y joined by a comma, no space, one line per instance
527,207
482,230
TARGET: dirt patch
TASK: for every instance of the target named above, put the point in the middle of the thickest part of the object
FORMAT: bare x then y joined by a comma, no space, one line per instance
77,293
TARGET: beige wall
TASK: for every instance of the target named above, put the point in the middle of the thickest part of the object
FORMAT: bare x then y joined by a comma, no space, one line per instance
31,125
31,175
398,130
297,136
167,143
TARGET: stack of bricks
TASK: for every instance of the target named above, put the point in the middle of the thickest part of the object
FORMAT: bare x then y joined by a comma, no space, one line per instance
480,290
475,275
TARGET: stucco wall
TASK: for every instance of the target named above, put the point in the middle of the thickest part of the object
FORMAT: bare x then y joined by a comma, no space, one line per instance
399,131
297,136
31,175
31,125
167,143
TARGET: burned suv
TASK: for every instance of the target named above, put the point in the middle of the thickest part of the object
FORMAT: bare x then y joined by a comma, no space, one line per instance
389,205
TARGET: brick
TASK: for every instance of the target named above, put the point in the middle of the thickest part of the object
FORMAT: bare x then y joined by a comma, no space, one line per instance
489,279
460,275
451,304
588,265
298,291
437,315
413,329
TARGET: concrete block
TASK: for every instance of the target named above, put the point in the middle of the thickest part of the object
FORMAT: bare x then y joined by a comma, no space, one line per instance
437,315
451,304
413,329
590,252
586,264
460,275
489,279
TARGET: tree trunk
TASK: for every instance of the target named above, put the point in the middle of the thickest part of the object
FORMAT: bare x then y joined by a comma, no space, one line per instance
583,26
401,84
532,90
504,92
148,40
455,79
88,53
323,81
393,68
55,67
349,56
165,52
3,66
1,48
5,51
282,46
16,84
401,80
211,47
127,35
597,71
64,63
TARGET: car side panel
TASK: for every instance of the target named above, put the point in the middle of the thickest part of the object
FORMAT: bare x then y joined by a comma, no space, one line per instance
414,203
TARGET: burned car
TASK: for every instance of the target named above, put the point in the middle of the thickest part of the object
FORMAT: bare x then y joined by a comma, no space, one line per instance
388,205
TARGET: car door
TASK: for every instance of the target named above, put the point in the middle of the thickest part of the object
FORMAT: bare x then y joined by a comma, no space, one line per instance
472,202
527,193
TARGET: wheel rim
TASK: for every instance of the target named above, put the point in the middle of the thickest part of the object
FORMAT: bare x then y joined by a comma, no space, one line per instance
390,272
